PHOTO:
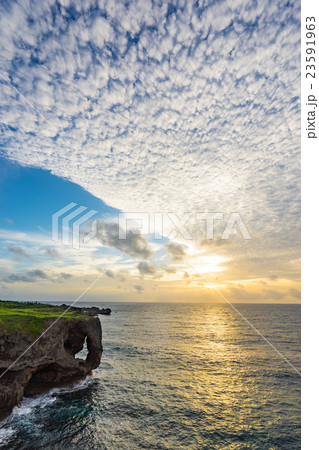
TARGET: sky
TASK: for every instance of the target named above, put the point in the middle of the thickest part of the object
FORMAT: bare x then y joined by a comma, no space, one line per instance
167,109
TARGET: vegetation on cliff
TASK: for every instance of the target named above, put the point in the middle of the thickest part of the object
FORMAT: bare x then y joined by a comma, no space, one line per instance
32,318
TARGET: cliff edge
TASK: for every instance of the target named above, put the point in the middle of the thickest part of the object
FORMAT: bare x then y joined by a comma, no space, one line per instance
31,363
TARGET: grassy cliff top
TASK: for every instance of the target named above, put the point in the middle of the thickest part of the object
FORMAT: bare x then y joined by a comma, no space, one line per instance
31,318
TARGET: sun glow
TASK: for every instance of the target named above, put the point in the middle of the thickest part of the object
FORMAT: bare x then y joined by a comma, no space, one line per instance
206,264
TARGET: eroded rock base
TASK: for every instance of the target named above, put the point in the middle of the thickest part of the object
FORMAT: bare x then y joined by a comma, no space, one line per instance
49,362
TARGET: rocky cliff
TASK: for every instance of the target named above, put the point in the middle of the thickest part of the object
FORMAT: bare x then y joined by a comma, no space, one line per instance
49,362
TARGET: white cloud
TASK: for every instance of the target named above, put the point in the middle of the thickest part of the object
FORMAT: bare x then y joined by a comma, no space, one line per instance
148,97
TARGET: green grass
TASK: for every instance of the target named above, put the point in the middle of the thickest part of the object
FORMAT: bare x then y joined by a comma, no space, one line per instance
31,318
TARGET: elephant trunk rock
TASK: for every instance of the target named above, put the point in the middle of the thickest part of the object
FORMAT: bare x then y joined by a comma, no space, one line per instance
34,364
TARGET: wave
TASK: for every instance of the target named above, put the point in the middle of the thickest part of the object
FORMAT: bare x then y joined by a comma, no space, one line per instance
28,404
5,434
23,413
74,387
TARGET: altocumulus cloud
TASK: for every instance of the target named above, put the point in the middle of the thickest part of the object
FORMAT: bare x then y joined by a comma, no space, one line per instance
32,276
134,244
19,252
150,95
146,269
175,251
29,277
52,252
138,288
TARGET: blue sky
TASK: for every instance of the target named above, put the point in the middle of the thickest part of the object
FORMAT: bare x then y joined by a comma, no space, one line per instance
29,196
140,106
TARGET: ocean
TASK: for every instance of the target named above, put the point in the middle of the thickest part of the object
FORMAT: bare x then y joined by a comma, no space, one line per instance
176,376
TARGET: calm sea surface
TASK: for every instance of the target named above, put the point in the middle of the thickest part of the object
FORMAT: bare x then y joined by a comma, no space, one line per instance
177,376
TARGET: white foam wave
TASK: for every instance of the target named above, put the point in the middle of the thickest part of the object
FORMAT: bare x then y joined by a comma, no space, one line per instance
73,388
5,434
29,404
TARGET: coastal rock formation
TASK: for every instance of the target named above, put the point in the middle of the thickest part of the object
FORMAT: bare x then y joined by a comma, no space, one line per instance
50,362
89,310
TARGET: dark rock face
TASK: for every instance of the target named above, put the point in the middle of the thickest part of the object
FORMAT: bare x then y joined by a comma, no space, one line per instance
50,362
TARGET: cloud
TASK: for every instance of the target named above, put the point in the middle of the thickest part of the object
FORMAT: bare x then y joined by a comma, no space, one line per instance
29,277
120,275
155,108
35,275
169,269
146,269
175,251
64,276
110,273
52,252
134,244
258,262
19,252
138,288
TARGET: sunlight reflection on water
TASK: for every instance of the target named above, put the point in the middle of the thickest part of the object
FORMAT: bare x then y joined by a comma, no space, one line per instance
180,376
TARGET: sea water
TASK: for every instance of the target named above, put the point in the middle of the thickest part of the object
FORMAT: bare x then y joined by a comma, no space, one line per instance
177,376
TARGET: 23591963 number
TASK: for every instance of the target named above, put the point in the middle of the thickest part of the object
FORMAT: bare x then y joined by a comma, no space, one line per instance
310,47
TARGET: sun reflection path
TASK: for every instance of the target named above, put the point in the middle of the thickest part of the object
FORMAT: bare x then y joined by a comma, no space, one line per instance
212,286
